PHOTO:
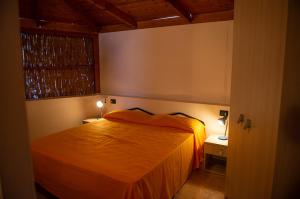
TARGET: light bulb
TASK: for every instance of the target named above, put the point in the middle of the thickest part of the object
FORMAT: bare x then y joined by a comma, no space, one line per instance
221,121
99,104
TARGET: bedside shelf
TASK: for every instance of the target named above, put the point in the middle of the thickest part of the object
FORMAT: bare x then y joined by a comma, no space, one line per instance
215,164
215,155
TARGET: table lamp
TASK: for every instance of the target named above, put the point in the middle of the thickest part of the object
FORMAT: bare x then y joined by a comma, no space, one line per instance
223,121
100,105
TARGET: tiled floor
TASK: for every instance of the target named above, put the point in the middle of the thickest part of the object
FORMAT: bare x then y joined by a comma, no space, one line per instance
200,185
203,185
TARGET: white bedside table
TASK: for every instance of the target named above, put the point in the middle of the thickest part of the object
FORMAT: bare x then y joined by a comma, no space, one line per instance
89,120
215,155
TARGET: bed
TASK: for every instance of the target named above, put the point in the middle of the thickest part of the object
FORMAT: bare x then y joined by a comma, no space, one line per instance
125,155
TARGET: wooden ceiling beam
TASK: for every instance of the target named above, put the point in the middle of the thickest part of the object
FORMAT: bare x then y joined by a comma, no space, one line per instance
184,11
30,24
40,22
214,16
104,6
78,6
200,18
120,15
36,14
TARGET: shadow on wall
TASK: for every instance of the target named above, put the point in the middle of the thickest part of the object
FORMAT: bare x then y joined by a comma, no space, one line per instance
287,174
52,115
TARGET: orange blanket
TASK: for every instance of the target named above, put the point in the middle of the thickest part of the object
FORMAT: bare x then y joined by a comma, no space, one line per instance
179,122
114,160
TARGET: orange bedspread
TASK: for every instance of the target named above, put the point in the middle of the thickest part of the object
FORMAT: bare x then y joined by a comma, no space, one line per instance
115,160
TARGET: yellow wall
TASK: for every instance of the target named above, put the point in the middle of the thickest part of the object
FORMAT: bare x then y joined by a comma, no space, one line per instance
186,63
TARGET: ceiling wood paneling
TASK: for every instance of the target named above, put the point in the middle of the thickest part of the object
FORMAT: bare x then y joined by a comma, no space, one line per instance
208,6
118,15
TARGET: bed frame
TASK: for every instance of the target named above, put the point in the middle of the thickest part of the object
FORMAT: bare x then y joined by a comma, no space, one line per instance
207,113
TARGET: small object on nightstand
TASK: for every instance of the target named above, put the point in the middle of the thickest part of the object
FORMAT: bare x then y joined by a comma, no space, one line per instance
215,155
100,105
90,120
223,122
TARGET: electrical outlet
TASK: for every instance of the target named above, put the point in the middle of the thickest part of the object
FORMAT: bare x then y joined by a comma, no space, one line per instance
113,101
223,113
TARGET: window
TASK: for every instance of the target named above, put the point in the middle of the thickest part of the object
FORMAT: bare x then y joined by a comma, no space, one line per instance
59,64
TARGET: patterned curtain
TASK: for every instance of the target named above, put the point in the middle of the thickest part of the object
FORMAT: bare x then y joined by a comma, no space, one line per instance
56,66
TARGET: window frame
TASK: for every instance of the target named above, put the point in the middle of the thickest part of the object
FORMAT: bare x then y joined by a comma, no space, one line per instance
95,39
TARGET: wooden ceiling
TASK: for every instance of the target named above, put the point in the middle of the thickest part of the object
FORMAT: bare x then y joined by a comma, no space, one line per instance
117,15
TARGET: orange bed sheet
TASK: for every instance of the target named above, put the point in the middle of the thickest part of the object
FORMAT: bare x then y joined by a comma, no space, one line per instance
114,160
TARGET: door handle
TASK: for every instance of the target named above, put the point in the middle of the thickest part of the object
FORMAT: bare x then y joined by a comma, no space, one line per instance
248,124
241,119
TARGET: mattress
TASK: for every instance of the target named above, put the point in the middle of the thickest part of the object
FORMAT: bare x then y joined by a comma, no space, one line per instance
114,160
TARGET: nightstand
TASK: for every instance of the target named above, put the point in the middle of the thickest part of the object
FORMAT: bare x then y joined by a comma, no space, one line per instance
89,120
215,155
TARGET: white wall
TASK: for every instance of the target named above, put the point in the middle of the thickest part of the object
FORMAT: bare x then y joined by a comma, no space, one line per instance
186,63
53,115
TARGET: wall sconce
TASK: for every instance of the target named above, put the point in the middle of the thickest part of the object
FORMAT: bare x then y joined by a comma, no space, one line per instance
223,121
100,105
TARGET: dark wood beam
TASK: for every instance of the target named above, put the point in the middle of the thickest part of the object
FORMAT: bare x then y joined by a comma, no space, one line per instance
36,14
120,15
200,18
214,16
104,6
30,24
80,6
184,11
